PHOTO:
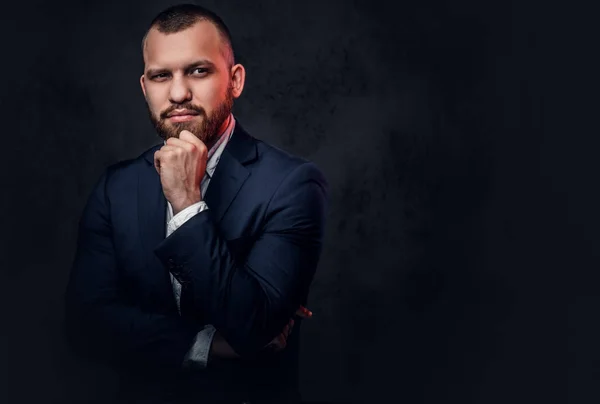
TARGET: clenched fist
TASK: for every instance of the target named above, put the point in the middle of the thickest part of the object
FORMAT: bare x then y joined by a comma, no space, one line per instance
181,164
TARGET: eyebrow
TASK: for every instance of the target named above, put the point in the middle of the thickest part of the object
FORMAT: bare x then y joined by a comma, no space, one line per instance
200,62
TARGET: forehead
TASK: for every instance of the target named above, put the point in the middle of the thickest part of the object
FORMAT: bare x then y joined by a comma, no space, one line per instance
200,41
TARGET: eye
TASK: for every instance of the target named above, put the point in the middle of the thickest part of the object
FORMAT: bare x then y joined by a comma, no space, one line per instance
159,76
199,71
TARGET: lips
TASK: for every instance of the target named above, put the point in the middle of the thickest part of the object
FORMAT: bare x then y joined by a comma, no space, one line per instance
182,115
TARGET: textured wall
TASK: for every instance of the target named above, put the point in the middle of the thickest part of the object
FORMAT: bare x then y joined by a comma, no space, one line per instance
446,233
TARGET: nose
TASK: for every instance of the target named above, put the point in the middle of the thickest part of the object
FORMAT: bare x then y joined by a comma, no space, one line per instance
179,91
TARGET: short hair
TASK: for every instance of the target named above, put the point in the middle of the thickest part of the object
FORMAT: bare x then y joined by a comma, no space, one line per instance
182,16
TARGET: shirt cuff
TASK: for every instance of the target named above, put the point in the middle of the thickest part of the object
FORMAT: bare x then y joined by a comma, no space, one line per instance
179,219
197,356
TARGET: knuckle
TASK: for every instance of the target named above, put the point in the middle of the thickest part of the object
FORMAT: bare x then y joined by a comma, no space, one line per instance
191,147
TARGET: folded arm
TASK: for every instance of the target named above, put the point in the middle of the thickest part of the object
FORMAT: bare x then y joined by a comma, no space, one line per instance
251,302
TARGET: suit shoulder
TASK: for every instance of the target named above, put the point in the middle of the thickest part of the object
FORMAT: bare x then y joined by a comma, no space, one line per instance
288,174
279,159
144,157
126,170
277,164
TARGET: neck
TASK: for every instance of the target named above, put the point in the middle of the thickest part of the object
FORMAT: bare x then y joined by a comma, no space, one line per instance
222,130
224,125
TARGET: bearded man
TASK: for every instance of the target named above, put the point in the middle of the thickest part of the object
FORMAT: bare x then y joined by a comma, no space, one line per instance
194,260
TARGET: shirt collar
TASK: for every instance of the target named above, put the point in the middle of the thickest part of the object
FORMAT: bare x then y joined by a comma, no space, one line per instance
214,154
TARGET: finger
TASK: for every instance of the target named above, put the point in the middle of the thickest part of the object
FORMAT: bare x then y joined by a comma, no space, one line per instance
304,312
282,343
187,133
168,149
175,142
168,152
273,345
187,136
157,157
187,145
279,343
196,143
288,330
273,342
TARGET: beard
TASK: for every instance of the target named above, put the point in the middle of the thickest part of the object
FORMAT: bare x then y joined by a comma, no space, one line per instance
207,130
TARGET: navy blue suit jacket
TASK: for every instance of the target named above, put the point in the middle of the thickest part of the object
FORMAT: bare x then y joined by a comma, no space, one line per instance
249,260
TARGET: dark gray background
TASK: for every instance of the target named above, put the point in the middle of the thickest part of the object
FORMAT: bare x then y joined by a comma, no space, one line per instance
460,141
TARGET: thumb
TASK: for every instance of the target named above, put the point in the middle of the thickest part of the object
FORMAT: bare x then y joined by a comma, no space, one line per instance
157,161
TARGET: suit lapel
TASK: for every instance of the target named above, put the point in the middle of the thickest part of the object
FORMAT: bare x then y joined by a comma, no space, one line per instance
152,212
231,172
225,184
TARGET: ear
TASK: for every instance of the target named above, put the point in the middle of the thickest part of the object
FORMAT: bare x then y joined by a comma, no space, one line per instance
238,77
143,84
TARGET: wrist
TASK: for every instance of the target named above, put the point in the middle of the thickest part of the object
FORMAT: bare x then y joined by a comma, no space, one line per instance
180,205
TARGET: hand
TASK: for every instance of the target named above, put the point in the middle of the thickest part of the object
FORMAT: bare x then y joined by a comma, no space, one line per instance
181,164
220,348
280,342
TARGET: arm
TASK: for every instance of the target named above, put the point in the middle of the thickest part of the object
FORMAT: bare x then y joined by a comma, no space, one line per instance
207,338
251,302
98,319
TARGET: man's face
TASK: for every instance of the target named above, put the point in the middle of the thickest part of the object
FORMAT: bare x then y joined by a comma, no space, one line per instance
187,82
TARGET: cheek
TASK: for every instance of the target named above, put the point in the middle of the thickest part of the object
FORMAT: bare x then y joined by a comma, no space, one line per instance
155,99
209,95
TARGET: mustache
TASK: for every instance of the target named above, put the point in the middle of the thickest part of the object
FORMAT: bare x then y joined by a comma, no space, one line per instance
188,106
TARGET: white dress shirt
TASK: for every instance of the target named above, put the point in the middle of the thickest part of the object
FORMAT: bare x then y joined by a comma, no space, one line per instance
197,356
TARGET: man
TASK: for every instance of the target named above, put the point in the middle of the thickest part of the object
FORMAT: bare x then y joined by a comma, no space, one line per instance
190,289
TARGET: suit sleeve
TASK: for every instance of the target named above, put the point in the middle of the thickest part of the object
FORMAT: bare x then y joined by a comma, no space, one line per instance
250,302
100,323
